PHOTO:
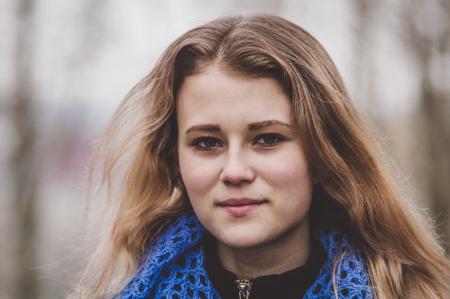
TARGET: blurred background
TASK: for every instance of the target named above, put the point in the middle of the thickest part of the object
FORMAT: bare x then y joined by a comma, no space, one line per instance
66,65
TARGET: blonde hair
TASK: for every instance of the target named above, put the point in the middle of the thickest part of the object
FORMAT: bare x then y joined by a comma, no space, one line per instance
353,192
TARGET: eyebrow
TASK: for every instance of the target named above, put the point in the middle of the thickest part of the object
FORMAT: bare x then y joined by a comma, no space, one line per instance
252,127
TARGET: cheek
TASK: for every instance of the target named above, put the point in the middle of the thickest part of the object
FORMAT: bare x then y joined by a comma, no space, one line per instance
294,188
289,177
198,176
289,170
292,174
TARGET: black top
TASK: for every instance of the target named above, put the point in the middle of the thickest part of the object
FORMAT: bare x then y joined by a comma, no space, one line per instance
291,284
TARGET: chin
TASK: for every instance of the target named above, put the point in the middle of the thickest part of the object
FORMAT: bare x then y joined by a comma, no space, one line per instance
242,240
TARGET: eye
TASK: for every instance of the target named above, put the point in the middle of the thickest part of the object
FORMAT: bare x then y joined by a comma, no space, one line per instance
269,139
206,143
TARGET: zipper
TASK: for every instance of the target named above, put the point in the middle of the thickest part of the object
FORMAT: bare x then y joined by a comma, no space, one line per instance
244,287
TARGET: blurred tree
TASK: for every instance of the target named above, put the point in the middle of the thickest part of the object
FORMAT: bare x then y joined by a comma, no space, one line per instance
363,60
24,177
426,31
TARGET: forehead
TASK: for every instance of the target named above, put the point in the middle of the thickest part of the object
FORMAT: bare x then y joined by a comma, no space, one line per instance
218,96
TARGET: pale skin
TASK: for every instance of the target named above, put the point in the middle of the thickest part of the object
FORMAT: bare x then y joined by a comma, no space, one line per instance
237,140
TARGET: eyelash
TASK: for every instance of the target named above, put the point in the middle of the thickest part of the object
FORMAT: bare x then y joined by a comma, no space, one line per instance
278,137
199,140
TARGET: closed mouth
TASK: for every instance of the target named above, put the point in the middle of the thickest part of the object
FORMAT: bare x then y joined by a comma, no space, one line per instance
241,207
240,202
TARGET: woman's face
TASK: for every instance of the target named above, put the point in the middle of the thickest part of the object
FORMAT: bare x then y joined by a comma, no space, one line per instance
241,159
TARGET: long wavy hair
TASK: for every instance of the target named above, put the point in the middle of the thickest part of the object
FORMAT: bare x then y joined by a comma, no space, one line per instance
139,169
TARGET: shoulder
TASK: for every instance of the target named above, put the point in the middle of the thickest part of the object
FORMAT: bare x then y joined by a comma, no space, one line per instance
345,271
173,262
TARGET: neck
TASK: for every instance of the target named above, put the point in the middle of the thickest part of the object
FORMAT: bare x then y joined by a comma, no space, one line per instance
287,252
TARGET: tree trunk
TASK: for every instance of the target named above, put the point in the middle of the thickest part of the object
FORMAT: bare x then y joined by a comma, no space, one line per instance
24,176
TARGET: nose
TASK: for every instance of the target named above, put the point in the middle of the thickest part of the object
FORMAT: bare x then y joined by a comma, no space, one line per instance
236,170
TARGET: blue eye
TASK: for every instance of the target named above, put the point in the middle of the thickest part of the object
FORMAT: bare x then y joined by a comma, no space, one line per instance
269,139
206,143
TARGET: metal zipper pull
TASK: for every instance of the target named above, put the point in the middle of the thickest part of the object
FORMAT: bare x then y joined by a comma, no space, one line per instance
244,286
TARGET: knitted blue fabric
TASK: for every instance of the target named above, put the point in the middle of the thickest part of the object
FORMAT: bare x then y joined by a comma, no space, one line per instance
174,268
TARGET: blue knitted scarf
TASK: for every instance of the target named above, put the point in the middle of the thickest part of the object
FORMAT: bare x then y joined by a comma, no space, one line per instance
174,268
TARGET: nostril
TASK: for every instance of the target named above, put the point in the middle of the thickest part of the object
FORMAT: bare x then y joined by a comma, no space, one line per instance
233,183
235,178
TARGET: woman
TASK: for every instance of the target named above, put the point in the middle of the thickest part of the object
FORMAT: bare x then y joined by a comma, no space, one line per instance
248,174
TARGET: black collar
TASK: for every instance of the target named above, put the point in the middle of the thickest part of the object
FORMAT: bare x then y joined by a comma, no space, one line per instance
290,284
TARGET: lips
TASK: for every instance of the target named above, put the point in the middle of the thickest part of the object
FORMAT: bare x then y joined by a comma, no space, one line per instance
240,202
239,207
